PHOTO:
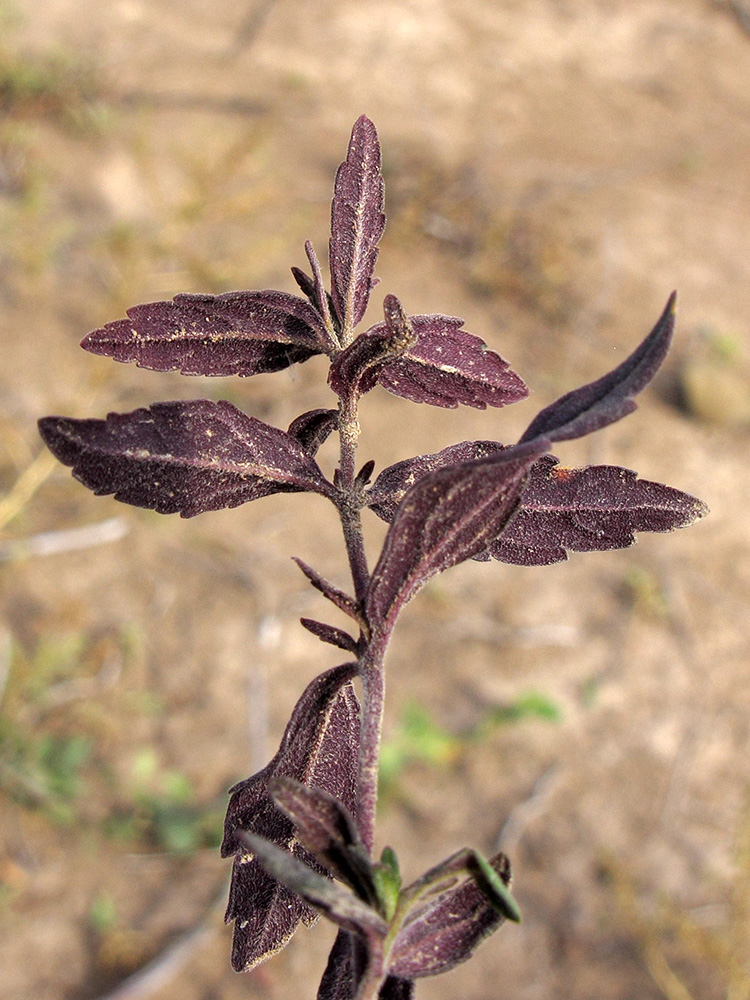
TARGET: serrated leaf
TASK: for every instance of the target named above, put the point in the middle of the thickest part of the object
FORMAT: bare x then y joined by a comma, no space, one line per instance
357,223
356,370
450,515
330,634
337,904
342,601
238,333
585,510
447,929
609,398
313,428
328,830
320,748
448,366
183,456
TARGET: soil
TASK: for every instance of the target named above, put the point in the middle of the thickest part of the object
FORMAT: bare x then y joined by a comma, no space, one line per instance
554,169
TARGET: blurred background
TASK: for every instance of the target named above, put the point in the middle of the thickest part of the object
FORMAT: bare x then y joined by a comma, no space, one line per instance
554,168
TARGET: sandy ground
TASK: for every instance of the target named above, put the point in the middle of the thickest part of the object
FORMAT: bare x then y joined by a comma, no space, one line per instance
553,170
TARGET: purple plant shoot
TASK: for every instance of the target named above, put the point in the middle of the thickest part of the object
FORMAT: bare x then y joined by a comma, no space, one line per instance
301,831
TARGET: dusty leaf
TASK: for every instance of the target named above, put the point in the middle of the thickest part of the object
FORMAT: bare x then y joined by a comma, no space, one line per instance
238,333
585,510
314,289
320,748
342,600
328,830
609,398
313,428
183,456
357,223
394,482
448,516
347,963
448,366
337,904
330,634
447,929
356,369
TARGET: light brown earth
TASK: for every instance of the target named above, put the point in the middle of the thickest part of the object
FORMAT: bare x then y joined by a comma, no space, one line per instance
553,170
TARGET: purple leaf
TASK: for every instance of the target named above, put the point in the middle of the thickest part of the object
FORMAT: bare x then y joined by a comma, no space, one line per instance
355,370
448,366
591,509
450,515
314,289
320,748
396,989
447,929
357,223
339,905
330,634
364,475
609,398
342,601
327,830
347,964
313,428
393,483
238,333
306,285
185,457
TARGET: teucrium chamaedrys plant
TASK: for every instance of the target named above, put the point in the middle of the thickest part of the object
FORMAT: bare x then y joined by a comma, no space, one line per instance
308,817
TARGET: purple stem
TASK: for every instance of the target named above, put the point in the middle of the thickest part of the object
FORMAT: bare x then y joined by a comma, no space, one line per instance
372,673
371,659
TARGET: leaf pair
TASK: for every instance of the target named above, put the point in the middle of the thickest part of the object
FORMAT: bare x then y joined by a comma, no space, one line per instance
388,937
480,499
320,748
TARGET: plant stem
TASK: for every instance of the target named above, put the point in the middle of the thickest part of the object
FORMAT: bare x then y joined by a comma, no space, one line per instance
372,673
371,661
349,507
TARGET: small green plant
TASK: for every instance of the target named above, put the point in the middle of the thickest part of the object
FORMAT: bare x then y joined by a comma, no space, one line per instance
309,815
418,738
160,809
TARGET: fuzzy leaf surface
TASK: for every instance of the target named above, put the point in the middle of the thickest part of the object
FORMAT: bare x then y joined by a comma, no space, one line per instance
320,748
238,333
342,600
347,964
183,457
313,428
585,510
328,830
357,223
448,366
609,398
356,369
330,634
448,516
447,929
339,905
395,481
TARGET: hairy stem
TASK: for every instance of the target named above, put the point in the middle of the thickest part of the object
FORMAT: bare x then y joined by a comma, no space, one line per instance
371,662
372,673
349,508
